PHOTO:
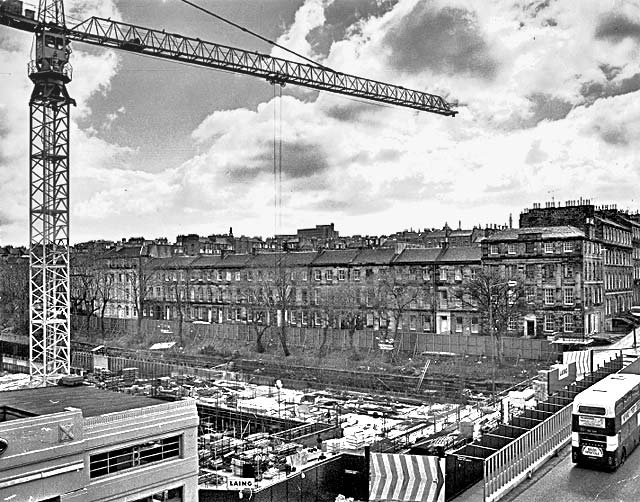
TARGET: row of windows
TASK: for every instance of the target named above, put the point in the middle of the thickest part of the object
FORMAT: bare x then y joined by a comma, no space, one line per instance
513,248
618,303
617,257
550,296
617,280
110,462
617,235
593,270
551,324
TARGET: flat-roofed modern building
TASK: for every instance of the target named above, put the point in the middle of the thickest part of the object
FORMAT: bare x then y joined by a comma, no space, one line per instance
60,444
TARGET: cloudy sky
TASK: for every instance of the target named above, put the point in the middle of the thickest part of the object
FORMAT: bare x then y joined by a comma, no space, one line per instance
547,92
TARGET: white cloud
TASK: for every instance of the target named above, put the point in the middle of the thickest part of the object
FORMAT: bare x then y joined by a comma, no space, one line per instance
549,108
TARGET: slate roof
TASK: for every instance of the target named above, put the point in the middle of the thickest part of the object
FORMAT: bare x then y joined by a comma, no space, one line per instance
299,259
380,256
512,234
234,260
336,257
173,262
207,260
418,255
464,254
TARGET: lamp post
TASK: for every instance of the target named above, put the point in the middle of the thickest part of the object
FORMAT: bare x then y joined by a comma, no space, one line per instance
278,386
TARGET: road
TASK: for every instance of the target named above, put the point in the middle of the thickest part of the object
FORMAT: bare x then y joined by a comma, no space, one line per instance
566,483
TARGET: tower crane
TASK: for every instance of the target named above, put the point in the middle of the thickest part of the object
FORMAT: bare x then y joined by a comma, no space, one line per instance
49,107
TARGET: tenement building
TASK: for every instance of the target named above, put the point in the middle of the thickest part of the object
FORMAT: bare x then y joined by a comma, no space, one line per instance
614,231
411,289
561,271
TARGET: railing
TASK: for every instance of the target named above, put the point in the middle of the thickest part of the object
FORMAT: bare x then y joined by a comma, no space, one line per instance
509,466
139,413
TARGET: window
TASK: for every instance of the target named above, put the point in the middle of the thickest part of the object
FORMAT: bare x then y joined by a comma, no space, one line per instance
493,249
568,323
342,274
567,270
426,322
356,274
228,276
475,325
249,275
511,324
458,274
549,271
413,322
568,247
121,459
529,248
511,248
458,324
549,296
548,323
317,275
531,294
443,274
568,296
305,275
329,275
529,270
426,275
548,247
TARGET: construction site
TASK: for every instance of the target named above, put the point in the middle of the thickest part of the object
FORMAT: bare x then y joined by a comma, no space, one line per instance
150,422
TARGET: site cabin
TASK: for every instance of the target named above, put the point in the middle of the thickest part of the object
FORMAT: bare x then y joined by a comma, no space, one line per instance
605,424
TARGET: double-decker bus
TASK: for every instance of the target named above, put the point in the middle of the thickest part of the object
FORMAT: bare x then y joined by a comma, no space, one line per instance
605,424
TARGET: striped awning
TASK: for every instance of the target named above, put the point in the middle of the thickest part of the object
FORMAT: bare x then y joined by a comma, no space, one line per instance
406,478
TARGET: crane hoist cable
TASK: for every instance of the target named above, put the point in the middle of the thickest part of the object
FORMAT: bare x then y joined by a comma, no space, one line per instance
277,157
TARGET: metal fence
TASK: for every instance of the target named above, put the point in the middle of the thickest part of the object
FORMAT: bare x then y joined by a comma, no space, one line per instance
507,467
409,343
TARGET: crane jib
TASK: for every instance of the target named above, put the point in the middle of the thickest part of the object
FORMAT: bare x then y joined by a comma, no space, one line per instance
158,43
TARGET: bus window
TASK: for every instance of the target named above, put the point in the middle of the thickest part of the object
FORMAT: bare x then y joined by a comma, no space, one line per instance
592,410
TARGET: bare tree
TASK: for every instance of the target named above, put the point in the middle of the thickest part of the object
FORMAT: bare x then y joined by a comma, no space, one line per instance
180,285
497,298
263,309
104,284
85,291
346,302
392,294
141,277
273,294
14,293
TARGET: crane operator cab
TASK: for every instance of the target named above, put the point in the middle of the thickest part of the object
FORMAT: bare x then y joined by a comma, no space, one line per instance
50,70
52,53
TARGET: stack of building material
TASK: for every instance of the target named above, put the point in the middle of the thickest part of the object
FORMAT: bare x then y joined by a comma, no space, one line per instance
470,430
332,445
354,438
129,375
541,387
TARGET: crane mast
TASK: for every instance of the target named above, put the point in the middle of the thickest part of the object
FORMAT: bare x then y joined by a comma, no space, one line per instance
49,327
50,72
